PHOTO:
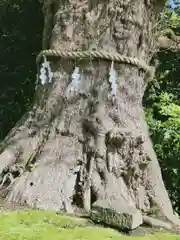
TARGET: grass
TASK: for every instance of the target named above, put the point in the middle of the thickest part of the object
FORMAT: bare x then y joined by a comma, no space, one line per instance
37,225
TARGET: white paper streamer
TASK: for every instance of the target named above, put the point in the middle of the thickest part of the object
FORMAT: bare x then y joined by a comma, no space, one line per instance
112,80
45,72
75,80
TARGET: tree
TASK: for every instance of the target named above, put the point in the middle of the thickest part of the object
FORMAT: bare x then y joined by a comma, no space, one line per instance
86,138
166,138
161,101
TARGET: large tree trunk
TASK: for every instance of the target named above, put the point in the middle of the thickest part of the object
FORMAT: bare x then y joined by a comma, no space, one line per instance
76,147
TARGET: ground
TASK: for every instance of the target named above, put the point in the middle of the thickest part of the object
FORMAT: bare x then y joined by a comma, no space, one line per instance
26,224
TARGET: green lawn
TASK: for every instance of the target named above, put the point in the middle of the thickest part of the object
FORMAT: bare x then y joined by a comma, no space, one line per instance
47,225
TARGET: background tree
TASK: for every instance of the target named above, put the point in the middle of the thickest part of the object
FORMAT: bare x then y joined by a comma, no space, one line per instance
111,140
18,40
162,101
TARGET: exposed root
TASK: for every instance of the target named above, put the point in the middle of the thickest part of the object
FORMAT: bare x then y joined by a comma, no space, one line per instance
87,186
55,173
20,154
7,158
8,177
152,222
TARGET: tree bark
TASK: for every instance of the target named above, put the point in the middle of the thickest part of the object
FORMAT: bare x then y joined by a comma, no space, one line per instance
76,147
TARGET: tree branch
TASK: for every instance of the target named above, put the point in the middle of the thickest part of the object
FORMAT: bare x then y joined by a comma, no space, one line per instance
168,40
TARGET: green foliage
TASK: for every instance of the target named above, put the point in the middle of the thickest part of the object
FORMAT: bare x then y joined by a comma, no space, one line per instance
21,25
45,225
162,103
170,19
164,122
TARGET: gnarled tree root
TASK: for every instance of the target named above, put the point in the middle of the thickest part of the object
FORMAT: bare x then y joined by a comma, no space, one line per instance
156,223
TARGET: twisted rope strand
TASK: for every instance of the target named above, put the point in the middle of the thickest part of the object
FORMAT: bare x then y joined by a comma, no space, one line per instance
95,54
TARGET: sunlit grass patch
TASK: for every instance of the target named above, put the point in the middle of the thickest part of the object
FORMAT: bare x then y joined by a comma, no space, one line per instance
36,224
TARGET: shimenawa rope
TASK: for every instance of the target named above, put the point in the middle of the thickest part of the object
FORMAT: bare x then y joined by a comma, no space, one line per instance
96,54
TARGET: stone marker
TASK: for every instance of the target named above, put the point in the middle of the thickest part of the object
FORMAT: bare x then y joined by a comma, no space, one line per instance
116,215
